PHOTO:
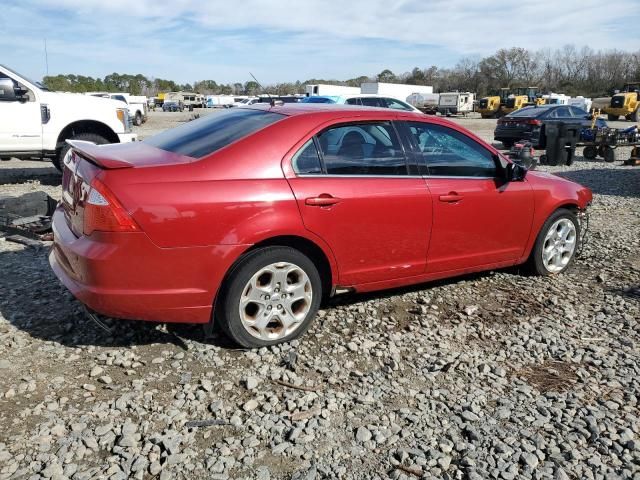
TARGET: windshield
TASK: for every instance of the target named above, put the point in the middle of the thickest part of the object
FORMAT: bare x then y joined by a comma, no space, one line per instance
208,134
37,84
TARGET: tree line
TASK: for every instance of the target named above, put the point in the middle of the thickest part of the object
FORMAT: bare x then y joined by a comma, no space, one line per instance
569,70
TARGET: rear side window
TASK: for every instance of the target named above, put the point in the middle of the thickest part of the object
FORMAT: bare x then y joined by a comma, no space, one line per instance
213,132
447,152
307,160
362,149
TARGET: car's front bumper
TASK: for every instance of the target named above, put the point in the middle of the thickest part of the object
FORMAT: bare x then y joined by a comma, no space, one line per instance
125,275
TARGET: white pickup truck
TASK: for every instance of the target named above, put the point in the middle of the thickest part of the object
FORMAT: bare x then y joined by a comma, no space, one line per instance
35,122
137,105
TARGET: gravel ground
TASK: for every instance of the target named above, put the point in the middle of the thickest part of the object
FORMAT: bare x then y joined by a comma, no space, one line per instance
496,375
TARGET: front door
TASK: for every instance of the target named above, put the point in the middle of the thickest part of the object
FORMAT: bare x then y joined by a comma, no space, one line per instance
478,218
20,123
354,191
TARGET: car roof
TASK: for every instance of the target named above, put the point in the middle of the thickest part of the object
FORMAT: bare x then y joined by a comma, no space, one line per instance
293,109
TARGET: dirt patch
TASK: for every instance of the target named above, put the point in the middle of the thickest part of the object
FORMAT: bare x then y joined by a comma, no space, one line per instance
551,376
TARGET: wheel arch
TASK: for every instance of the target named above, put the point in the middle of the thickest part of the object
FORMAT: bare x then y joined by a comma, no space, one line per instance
86,126
567,205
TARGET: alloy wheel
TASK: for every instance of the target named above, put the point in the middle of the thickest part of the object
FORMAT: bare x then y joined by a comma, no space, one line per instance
275,301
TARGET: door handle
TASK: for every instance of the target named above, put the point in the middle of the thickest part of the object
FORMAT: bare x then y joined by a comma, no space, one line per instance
324,200
452,197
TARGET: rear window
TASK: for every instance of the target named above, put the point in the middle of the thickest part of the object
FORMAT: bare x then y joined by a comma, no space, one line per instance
213,132
528,112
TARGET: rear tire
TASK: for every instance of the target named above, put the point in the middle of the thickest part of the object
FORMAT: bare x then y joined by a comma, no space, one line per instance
270,296
553,240
87,137
590,152
609,154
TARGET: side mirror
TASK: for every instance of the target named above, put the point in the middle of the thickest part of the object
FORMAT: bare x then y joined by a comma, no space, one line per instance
515,172
10,91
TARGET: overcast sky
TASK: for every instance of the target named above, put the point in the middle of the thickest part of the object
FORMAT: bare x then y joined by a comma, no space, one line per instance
188,40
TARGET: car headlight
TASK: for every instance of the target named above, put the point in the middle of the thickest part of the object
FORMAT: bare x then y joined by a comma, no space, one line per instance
123,116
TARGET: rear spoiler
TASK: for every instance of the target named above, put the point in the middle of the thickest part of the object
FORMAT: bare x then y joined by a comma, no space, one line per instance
107,158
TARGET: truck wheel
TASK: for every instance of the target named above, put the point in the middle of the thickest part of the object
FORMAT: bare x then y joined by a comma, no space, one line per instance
137,121
609,154
635,116
270,297
590,152
556,245
87,137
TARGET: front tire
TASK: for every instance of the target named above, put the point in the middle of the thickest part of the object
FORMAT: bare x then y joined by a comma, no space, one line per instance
556,245
270,296
87,137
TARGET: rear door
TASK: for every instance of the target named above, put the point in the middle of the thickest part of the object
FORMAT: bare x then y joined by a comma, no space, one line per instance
478,218
356,191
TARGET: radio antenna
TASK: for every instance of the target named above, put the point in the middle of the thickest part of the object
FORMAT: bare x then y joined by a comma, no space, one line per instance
272,102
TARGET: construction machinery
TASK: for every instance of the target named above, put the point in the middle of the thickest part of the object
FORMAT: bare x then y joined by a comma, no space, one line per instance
491,106
522,97
625,103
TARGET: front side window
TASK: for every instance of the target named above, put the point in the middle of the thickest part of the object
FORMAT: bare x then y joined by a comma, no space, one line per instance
373,102
354,101
397,104
362,149
447,152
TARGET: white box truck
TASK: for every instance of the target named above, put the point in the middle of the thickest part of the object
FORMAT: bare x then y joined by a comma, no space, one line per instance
330,90
396,90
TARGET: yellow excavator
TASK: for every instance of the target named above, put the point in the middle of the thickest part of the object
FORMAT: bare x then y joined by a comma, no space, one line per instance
522,97
625,103
491,106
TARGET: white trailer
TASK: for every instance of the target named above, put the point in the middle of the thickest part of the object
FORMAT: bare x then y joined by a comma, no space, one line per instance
395,90
581,102
330,90
219,101
455,103
556,99
425,102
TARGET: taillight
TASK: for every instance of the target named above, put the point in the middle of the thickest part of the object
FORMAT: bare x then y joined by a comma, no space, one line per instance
103,212
534,122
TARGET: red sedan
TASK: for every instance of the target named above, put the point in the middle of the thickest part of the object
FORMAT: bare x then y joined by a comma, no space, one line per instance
250,217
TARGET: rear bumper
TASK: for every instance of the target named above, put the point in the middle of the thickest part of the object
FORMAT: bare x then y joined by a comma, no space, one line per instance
514,134
125,275
127,137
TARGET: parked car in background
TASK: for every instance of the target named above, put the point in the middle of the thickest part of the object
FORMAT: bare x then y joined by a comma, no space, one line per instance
251,217
35,122
363,100
172,107
528,123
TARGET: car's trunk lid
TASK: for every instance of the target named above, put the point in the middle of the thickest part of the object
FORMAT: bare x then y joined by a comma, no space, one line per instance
87,160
